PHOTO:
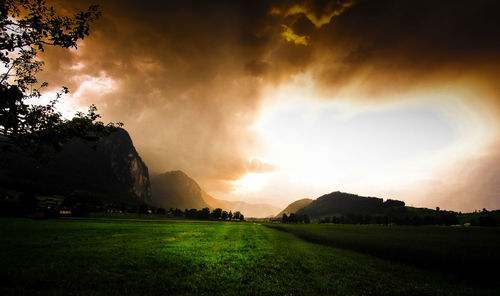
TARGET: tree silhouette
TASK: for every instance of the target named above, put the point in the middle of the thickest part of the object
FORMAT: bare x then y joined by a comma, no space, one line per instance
224,215
27,27
216,213
205,213
230,215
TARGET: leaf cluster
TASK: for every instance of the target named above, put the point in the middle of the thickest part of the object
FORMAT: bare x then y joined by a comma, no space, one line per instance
26,28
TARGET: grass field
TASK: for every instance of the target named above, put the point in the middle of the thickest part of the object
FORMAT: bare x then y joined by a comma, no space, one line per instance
98,257
469,252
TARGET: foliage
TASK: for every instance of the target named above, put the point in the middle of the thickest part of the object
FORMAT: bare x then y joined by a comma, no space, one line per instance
294,218
26,28
203,214
481,218
224,215
396,217
216,213
237,215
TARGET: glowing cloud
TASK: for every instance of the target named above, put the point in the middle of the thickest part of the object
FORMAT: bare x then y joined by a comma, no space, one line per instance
335,8
290,36
192,80
250,183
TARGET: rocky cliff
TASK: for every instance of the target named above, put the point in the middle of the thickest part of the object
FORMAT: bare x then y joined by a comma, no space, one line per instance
110,169
175,189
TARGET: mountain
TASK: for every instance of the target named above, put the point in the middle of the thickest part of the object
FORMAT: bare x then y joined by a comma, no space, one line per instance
109,169
295,206
175,189
346,203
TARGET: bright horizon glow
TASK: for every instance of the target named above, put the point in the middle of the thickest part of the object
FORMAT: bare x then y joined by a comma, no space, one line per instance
250,183
384,149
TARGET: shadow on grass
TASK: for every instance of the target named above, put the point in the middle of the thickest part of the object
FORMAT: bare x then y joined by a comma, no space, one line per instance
472,257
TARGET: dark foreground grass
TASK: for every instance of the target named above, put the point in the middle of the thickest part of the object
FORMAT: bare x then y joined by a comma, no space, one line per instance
72,257
472,253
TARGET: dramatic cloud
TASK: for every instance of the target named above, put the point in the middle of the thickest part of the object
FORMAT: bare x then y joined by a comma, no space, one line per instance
317,12
290,36
189,78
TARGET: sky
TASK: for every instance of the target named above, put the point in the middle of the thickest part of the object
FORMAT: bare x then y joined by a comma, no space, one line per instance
273,101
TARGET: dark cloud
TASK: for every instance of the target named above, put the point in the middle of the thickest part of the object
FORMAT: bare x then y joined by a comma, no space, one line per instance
257,68
180,76
186,76
408,42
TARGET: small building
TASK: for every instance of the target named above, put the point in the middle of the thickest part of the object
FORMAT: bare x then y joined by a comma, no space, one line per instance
65,212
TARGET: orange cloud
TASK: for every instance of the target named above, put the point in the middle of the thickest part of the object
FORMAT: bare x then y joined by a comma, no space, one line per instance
334,8
188,77
290,36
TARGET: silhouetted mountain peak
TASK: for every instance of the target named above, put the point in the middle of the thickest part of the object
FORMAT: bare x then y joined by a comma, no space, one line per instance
110,168
175,189
341,203
295,206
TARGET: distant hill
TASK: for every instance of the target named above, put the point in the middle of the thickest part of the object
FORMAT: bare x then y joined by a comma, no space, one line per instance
175,189
295,206
346,208
109,169
340,203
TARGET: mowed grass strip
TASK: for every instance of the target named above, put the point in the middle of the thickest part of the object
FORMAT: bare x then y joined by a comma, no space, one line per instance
71,257
469,252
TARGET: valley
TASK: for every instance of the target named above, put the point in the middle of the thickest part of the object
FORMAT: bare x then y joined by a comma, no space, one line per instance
181,257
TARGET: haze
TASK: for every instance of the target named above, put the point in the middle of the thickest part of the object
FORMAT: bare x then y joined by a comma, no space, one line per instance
273,101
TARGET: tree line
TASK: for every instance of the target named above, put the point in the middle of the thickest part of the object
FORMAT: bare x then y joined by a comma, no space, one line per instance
447,218
80,204
204,214
295,219
440,219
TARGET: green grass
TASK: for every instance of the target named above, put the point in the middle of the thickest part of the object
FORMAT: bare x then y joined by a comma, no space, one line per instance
97,257
468,252
130,216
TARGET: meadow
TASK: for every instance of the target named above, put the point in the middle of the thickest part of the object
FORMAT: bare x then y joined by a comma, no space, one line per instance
468,252
181,257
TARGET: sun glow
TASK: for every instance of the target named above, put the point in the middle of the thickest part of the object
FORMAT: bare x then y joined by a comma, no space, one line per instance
251,182
336,144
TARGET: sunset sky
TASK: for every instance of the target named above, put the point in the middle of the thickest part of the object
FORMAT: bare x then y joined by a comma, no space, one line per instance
273,101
